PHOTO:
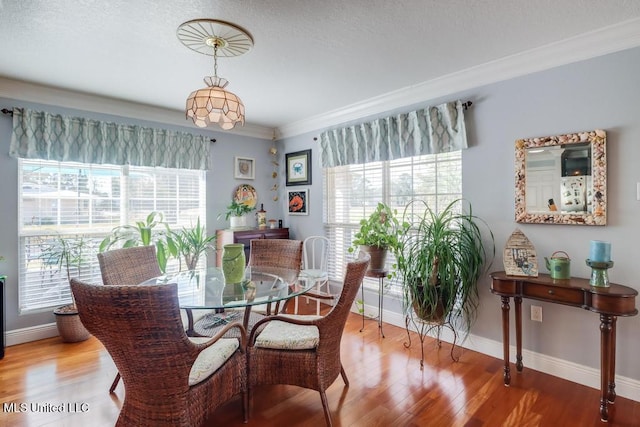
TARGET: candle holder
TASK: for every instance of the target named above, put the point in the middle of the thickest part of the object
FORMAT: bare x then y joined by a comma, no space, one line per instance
599,275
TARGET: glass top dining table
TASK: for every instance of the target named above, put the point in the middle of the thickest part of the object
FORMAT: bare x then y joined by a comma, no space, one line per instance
268,287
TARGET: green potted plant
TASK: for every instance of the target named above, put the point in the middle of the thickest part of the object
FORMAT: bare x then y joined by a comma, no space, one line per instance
152,231
439,261
70,254
235,214
191,243
377,235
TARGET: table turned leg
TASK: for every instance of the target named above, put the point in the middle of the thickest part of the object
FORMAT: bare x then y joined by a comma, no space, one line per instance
505,339
611,392
606,328
518,301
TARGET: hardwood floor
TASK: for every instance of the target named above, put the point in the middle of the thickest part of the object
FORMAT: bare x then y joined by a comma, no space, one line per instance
387,389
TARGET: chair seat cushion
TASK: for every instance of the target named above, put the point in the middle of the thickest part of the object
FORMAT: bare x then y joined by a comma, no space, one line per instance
313,274
287,336
211,358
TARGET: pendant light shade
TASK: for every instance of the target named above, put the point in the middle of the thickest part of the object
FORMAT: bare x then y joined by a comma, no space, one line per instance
215,104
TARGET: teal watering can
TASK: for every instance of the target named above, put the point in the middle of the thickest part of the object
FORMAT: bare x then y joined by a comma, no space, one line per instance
559,266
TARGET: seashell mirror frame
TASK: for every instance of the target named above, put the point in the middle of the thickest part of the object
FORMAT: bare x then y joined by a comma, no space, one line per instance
597,212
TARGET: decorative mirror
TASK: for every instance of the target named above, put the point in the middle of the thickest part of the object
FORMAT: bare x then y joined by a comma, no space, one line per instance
562,179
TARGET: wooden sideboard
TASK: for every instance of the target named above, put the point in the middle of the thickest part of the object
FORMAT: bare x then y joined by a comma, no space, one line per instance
245,236
610,302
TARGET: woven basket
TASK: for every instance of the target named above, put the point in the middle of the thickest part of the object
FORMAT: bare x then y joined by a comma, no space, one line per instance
69,325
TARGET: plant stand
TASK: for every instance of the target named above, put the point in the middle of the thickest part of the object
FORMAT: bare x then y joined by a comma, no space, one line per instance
423,329
380,275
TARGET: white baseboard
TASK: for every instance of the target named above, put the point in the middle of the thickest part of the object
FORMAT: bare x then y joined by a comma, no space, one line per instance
570,371
34,333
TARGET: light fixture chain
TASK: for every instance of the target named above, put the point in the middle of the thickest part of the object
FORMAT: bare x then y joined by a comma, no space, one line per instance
215,60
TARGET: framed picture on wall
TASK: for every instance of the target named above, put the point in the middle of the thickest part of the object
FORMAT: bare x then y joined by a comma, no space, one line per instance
298,168
244,168
298,201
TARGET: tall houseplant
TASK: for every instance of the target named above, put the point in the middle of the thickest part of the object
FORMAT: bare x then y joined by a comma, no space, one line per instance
68,254
191,243
439,261
152,231
377,234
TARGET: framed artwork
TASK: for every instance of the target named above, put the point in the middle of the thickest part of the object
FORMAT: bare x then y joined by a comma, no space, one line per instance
298,168
298,201
244,168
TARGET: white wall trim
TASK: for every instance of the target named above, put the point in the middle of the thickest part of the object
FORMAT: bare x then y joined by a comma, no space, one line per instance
570,371
596,43
33,333
30,92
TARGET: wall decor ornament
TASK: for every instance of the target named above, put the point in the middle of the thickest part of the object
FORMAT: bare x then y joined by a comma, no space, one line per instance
562,179
519,256
298,201
298,168
244,168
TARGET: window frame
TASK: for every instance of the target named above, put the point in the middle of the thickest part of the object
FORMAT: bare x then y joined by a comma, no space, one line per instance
340,230
35,276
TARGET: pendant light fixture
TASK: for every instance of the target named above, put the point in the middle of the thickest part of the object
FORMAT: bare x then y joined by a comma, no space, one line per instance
215,104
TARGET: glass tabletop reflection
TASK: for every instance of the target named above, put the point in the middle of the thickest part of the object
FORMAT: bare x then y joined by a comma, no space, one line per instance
206,288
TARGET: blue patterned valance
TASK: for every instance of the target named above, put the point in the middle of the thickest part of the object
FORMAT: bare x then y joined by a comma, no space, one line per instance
431,130
45,136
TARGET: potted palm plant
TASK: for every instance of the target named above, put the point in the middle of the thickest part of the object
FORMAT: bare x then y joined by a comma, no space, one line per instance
440,258
191,243
377,235
68,254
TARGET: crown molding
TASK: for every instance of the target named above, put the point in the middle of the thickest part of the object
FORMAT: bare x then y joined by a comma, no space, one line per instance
592,44
31,92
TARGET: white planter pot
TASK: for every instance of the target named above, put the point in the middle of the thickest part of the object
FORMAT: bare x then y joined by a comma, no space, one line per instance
236,221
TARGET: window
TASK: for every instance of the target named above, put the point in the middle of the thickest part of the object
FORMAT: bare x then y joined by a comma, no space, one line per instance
352,192
82,203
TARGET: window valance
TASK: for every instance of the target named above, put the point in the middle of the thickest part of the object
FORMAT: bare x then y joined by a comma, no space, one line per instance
431,130
45,136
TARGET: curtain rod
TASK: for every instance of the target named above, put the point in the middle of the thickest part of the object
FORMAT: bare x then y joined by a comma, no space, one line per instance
10,113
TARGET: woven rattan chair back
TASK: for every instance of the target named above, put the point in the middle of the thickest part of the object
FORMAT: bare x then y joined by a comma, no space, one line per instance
140,327
128,266
282,253
315,368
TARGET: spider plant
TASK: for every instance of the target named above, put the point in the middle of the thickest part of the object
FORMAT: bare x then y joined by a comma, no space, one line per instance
440,260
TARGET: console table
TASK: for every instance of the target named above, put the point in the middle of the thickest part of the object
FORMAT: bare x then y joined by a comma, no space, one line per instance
609,302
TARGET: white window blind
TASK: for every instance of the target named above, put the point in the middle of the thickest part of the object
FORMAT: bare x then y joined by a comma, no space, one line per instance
82,203
352,192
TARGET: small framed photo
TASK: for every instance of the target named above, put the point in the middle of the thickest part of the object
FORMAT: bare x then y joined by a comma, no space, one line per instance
244,168
298,168
298,201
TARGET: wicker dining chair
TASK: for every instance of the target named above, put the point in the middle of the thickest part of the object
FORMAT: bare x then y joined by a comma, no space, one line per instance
277,254
281,253
128,266
170,379
304,350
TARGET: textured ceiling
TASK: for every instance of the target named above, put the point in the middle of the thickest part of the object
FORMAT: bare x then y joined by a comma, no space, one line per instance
309,58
